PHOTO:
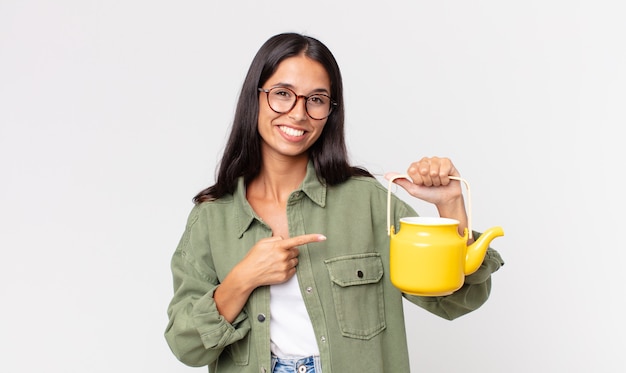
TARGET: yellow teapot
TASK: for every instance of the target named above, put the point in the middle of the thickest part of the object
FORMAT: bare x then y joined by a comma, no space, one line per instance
428,256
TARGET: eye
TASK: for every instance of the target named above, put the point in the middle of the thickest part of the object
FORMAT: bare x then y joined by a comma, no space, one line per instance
318,100
281,93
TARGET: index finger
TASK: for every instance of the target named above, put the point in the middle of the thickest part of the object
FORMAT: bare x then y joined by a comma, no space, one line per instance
302,240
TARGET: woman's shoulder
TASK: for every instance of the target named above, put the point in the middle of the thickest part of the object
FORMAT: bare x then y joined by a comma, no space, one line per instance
374,190
210,206
358,188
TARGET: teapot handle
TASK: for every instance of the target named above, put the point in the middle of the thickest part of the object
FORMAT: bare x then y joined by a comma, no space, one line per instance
469,202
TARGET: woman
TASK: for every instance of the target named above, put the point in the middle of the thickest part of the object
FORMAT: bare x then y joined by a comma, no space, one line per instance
283,266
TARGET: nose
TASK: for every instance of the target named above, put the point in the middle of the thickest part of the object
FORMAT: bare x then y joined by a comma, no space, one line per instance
298,112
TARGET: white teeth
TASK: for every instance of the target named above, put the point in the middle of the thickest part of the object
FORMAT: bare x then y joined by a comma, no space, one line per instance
291,132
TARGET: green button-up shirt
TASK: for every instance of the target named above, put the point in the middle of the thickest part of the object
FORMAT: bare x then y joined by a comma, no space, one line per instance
356,312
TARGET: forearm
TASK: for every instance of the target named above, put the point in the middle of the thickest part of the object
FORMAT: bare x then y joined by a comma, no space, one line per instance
455,210
232,294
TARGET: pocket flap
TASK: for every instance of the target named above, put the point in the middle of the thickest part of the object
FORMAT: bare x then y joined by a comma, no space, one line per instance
355,269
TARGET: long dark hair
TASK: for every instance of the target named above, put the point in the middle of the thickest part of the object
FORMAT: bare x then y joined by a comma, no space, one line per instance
242,155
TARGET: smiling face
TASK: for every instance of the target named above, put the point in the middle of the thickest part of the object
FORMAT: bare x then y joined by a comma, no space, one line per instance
292,133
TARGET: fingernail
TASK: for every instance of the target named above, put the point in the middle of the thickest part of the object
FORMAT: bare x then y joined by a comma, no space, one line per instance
322,237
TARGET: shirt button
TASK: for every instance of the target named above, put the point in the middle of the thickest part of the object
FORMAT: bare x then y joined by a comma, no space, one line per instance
309,290
323,339
261,317
359,274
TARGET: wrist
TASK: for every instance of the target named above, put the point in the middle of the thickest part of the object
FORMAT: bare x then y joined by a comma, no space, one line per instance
455,210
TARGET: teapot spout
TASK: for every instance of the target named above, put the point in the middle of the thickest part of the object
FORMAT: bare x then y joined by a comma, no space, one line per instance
476,251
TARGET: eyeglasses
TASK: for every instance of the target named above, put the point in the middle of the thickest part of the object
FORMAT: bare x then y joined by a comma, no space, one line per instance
282,100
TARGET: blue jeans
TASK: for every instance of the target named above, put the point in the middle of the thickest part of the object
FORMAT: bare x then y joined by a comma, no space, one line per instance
309,364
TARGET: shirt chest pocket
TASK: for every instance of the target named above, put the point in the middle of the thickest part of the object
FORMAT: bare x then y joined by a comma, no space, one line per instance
358,294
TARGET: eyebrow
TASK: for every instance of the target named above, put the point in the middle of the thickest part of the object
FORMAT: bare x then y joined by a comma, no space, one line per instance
291,86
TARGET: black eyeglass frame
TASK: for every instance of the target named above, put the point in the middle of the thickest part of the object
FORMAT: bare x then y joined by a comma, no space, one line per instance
333,103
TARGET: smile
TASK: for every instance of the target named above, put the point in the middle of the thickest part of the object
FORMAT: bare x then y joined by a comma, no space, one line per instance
291,131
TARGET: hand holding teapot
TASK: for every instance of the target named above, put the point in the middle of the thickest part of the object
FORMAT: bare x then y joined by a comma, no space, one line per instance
431,181
430,256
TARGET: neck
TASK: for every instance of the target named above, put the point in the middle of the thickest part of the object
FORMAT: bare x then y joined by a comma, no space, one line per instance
278,178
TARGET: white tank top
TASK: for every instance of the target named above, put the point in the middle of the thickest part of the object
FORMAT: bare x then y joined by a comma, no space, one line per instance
291,330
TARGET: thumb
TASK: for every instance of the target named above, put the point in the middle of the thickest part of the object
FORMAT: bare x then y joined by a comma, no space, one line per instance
391,175
404,181
400,179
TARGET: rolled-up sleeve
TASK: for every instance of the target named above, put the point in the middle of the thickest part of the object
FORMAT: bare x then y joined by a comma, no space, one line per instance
196,332
473,294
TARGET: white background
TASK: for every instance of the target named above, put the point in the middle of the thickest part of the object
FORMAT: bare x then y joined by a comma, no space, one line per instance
113,115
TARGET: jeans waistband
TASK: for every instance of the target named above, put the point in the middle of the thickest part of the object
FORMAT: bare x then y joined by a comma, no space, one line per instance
309,364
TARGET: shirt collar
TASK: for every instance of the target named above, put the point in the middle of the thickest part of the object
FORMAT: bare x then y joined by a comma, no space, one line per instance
310,186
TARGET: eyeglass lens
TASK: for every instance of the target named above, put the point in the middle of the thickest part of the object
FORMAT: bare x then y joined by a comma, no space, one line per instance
283,100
